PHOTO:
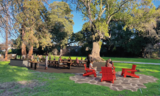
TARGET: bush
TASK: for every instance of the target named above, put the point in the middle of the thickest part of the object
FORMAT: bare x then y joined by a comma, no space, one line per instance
154,55
2,53
16,51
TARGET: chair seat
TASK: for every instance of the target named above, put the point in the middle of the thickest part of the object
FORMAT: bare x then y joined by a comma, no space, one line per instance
130,72
108,74
89,71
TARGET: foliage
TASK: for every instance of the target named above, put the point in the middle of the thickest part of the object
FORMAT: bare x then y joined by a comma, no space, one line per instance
155,55
99,13
128,42
60,23
31,16
16,51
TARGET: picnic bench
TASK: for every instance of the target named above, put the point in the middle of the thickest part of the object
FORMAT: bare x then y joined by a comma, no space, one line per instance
65,62
75,63
33,63
54,63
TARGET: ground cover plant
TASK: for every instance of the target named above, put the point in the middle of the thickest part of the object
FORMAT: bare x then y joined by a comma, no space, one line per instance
20,81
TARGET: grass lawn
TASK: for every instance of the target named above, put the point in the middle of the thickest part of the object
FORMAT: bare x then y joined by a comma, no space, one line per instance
119,59
59,84
133,59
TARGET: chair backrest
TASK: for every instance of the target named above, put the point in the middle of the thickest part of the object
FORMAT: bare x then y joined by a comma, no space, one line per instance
85,67
133,68
112,64
107,73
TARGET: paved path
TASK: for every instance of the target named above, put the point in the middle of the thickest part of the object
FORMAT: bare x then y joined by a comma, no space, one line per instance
138,62
121,83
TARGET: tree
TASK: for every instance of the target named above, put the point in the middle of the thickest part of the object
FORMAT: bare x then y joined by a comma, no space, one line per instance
6,22
32,18
101,12
60,23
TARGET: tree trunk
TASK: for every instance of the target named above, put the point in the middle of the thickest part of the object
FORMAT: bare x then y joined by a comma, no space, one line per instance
96,52
143,52
23,46
6,47
61,52
30,51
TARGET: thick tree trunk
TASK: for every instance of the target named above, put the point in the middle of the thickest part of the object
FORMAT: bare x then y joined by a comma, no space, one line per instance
30,51
96,52
6,47
61,52
23,46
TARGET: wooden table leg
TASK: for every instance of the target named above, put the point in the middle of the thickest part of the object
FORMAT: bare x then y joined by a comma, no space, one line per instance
31,64
35,67
69,66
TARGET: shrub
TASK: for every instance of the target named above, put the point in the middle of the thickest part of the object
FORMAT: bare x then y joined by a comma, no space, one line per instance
154,55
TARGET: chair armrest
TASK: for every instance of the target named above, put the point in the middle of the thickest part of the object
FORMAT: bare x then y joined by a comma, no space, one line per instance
130,70
126,69
89,69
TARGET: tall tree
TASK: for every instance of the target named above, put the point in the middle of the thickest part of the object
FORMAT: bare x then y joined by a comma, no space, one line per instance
101,12
6,22
32,19
60,23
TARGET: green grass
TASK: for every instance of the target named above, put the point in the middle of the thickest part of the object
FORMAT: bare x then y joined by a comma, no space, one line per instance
59,84
116,59
133,59
113,59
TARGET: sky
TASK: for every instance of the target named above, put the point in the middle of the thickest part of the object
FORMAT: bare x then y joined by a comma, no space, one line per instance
78,19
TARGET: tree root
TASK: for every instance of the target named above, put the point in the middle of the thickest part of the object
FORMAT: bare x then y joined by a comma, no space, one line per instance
97,59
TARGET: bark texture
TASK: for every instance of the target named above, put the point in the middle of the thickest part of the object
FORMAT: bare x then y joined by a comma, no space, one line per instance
96,52
6,47
30,51
61,52
23,46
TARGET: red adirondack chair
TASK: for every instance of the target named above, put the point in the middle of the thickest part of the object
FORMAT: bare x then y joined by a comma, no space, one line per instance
108,74
89,71
113,66
130,72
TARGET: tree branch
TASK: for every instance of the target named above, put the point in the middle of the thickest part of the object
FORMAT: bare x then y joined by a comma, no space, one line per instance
124,2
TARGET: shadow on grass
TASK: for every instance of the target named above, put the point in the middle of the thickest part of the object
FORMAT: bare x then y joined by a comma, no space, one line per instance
16,80
59,84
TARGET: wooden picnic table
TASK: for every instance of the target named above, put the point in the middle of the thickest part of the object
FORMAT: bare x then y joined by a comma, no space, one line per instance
79,64
35,64
56,64
66,62
53,62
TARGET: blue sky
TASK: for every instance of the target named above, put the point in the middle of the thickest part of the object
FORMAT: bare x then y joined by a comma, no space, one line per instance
78,22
